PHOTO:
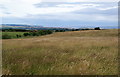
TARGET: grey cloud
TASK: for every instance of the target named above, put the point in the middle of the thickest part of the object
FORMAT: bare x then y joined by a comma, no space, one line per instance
53,4
97,11
47,4
2,6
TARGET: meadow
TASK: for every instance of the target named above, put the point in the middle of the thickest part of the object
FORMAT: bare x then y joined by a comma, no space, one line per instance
91,52
13,34
22,34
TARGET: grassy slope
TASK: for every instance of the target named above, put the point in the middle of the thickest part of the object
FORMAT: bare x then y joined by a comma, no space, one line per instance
80,52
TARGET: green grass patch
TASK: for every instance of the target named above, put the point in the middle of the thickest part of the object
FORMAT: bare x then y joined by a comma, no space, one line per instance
10,35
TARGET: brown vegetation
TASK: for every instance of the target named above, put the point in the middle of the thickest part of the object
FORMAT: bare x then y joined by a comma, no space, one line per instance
72,53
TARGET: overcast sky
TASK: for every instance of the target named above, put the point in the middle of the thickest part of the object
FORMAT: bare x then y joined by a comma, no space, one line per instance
60,13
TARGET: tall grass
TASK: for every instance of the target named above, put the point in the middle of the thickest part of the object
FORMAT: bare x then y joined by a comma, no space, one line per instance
66,53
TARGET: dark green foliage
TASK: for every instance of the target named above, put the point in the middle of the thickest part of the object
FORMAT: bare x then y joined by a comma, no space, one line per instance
34,33
60,31
41,32
18,36
9,35
97,28
6,36
49,32
26,34
44,32
14,30
38,33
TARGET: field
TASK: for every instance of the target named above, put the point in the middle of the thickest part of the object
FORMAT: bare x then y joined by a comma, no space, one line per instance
13,34
92,52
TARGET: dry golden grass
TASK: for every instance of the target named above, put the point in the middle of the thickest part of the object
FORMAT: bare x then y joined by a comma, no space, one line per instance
65,53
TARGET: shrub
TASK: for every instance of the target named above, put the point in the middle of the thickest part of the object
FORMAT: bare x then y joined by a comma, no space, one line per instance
34,33
49,32
26,34
45,32
97,28
31,34
18,36
38,33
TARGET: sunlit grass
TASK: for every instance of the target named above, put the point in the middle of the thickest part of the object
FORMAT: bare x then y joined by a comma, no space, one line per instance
66,53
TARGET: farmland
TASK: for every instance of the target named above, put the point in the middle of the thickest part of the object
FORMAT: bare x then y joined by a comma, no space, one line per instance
13,34
92,52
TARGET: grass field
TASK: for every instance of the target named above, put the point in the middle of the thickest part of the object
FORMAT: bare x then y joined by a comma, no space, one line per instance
64,53
13,34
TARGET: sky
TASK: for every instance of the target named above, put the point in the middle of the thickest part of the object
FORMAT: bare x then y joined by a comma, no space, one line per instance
60,13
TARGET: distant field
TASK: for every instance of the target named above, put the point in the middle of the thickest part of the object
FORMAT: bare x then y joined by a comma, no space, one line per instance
13,34
89,52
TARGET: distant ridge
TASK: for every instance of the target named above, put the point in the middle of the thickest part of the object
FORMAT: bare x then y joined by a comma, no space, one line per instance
30,27
19,25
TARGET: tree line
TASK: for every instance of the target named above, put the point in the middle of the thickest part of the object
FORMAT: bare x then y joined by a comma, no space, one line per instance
36,32
32,33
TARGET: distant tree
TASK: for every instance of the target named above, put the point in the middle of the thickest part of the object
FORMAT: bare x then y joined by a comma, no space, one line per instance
49,32
56,30
60,31
35,34
26,34
73,29
77,29
38,33
18,36
97,28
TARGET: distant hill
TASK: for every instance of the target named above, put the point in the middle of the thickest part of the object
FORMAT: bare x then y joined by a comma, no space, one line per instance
30,27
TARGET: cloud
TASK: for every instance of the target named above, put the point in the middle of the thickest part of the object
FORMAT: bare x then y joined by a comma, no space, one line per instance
103,9
18,8
22,8
66,11
78,5
75,17
80,1
108,8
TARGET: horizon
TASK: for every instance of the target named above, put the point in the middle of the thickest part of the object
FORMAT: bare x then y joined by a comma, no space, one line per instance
102,27
74,14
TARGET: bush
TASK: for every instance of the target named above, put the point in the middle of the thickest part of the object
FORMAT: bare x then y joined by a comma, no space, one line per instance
26,34
34,33
49,32
41,32
60,31
18,36
6,36
38,33
45,32
97,28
